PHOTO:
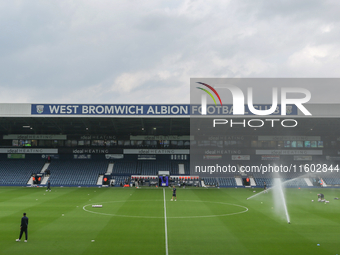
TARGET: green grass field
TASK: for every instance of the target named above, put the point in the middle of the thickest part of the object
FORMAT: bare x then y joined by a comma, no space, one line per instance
201,221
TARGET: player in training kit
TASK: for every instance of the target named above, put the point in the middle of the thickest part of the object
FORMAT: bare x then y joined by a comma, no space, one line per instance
265,187
23,228
48,186
174,194
321,197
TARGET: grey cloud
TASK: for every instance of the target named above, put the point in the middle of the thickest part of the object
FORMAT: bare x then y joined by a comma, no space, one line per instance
125,51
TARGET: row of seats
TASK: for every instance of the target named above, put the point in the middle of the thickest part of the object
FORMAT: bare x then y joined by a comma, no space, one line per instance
18,172
332,181
210,181
148,167
296,182
125,167
120,180
231,182
227,182
76,172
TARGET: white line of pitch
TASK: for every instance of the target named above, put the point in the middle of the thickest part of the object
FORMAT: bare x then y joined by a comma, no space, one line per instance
166,226
158,217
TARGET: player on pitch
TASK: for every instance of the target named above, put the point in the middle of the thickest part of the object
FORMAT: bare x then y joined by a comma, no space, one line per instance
321,197
265,187
174,194
23,228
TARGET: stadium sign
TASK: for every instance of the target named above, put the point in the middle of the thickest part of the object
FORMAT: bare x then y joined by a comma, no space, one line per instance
52,156
332,158
147,157
303,158
109,109
289,152
82,156
222,151
98,137
212,157
16,156
92,151
240,157
270,157
114,156
35,137
155,151
288,138
160,137
28,151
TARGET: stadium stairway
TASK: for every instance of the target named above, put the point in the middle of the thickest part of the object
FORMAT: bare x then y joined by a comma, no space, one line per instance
252,182
218,182
110,168
100,179
309,183
30,181
181,169
44,180
238,182
44,168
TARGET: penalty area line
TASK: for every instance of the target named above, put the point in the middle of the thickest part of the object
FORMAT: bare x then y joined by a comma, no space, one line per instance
166,226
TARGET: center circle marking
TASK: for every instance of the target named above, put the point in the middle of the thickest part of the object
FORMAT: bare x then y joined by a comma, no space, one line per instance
245,209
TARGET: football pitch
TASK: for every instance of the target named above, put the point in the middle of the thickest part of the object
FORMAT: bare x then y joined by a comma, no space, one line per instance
145,221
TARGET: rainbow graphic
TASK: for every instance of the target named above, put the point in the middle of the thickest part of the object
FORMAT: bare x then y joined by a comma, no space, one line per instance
209,93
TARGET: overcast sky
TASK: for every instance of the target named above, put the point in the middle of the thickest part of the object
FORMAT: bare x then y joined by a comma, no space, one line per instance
147,51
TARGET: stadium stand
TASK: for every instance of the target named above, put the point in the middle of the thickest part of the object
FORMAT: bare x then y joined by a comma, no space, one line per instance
152,167
332,181
148,167
119,180
210,181
297,182
144,146
260,181
18,172
175,167
125,167
72,172
290,183
227,182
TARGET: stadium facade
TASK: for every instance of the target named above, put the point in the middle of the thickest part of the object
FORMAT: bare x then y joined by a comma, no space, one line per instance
96,144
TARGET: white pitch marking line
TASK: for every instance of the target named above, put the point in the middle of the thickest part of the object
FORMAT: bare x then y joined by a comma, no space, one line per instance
166,226
152,217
